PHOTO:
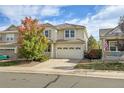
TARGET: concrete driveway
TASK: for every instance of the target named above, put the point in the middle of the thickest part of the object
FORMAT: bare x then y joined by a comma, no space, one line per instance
57,64
50,66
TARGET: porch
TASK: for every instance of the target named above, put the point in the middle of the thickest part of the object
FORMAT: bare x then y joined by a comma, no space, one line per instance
113,49
114,55
50,50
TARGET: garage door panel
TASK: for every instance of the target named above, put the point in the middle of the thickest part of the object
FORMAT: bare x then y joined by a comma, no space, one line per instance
69,51
9,52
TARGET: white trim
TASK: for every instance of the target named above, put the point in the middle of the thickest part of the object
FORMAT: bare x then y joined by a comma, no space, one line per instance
52,50
49,32
7,48
15,49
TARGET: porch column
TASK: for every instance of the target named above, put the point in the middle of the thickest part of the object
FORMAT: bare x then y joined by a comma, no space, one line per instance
15,50
103,49
52,50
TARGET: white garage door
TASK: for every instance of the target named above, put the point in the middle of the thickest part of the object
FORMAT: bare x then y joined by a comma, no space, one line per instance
69,51
8,51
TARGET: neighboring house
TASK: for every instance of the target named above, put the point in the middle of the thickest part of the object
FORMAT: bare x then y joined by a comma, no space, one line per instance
65,41
112,43
8,41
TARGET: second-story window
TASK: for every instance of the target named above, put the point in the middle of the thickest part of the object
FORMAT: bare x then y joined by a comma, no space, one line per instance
46,33
10,37
67,33
72,33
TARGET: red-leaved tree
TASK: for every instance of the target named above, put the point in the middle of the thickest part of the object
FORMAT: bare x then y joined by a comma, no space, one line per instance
32,42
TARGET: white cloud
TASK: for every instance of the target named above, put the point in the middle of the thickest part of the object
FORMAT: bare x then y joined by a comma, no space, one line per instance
73,21
109,12
54,22
16,13
50,11
107,17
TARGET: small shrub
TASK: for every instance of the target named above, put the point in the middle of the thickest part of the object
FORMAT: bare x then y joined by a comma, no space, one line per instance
93,54
42,58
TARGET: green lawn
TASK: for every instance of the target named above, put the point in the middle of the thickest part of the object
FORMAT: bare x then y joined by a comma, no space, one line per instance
11,63
101,66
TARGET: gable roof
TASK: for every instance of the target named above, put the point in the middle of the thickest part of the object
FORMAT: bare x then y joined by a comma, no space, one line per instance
11,28
111,32
115,31
49,25
61,26
102,32
67,25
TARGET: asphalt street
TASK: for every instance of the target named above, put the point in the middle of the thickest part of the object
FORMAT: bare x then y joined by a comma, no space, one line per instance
19,80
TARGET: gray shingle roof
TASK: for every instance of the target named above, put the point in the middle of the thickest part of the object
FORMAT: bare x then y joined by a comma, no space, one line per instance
102,32
58,27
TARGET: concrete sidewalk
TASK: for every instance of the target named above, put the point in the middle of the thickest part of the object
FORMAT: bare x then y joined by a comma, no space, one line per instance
75,72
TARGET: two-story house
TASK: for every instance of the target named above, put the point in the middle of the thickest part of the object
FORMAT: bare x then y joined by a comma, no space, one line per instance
65,41
8,41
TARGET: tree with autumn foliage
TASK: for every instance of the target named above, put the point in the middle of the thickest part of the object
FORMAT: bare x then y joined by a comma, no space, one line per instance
32,42
92,43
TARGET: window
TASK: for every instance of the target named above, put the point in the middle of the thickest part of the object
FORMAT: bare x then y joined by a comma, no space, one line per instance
71,48
78,48
46,33
113,46
65,48
59,48
69,33
10,37
72,33
7,38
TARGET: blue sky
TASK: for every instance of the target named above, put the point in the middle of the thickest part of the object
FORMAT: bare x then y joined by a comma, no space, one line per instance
91,16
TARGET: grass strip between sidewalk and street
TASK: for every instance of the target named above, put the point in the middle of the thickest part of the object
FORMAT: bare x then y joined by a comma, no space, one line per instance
11,63
116,66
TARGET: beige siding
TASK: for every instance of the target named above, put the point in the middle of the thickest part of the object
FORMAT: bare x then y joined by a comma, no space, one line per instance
79,34
60,35
3,37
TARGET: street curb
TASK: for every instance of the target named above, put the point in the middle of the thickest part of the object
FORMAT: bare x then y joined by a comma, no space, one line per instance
85,73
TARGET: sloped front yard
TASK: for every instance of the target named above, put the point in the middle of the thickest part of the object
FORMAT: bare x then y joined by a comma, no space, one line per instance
116,66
